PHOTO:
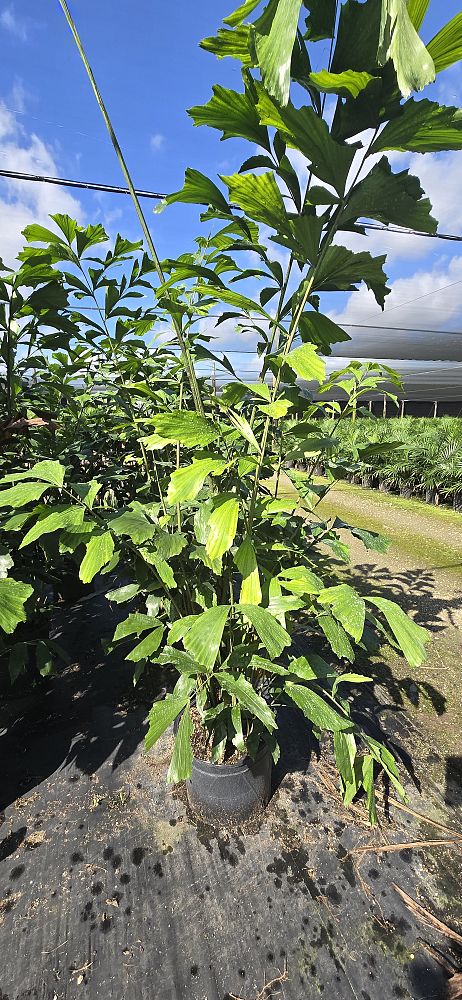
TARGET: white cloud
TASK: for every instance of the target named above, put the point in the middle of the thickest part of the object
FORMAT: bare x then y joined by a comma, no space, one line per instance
24,202
13,24
426,300
157,141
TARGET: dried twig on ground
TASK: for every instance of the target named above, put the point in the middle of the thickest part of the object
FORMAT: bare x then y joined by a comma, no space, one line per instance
455,987
420,816
428,918
269,988
406,845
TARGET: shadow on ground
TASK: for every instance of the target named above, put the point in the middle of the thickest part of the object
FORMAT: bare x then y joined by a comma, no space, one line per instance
109,888
84,714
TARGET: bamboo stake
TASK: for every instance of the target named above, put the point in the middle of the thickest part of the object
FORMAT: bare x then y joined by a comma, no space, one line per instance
139,211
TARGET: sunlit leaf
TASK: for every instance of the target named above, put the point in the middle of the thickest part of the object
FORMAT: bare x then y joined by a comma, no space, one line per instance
182,757
400,42
13,596
259,196
247,697
235,42
233,114
275,33
161,716
316,709
70,517
411,638
186,427
417,10
423,127
349,83
198,190
241,13
268,629
446,46
347,606
303,129
336,637
204,638
222,525
246,562
306,363
149,645
186,483
18,496
99,552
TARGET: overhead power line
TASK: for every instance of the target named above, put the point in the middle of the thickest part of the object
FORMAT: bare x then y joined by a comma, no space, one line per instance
158,196
82,185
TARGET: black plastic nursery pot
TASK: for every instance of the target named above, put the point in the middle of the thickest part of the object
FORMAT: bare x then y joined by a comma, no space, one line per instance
230,793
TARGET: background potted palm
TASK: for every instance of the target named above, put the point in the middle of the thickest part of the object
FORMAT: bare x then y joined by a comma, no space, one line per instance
219,566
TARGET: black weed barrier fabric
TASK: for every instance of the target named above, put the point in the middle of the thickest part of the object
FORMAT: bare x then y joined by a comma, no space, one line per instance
108,887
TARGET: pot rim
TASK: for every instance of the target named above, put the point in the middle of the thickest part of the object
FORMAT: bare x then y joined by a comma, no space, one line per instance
228,769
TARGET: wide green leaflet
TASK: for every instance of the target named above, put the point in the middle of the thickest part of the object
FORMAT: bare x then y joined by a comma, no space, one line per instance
241,13
204,638
134,624
417,10
18,496
316,709
70,517
320,22
306,363
389,197
399,41
161,716
233,114
446,46
423,127
99,552
246,562
346,84
347,606
259,196
248,698
275,33
410,637
13,596
343,270
222,525
198,190
302,129
48,471
186,483
270,632
314,328
186,427
336,637
235,43
182,756
135,525
147,647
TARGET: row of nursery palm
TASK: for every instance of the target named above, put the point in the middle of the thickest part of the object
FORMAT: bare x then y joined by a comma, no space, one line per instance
122,464
423,458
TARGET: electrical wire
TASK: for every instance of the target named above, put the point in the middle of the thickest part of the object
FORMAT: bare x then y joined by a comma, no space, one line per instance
116,189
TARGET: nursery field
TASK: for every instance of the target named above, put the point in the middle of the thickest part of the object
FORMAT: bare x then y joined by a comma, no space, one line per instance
230,600
418,457
109,885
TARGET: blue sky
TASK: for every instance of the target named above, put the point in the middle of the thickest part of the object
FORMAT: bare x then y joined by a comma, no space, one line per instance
150,69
